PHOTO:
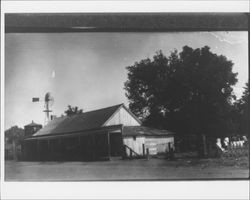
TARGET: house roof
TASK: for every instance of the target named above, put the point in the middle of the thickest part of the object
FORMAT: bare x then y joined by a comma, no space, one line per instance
144,131
79,122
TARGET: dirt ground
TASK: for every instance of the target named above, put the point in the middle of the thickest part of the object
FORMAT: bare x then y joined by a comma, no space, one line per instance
140,169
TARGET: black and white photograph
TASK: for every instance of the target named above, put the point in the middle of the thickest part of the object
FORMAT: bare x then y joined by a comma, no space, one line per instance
126,97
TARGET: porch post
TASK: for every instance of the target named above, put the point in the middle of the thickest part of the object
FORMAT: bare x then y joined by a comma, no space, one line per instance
79,148
37,150
49,153
93,147
108,137
60,148
124,153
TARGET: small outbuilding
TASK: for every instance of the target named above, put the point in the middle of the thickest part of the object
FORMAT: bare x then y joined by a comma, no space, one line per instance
100,134
31,128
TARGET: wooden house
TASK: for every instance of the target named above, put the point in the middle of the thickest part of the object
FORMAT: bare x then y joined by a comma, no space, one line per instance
100,134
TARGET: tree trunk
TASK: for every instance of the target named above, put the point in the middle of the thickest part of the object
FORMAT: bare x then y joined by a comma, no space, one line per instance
204,142
202,146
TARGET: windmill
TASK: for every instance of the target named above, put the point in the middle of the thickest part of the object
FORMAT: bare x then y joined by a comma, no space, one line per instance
48,102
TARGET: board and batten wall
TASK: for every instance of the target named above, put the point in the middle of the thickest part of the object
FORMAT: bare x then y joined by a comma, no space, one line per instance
154,144
134,143
122,117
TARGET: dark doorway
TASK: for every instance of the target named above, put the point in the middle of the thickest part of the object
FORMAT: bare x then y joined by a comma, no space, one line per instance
43,151
115,144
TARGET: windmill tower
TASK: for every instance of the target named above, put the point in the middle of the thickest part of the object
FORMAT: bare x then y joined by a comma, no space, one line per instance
48,102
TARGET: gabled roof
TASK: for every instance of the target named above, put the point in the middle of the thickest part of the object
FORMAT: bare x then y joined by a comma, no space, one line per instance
33,124
122,106
79,122
145,131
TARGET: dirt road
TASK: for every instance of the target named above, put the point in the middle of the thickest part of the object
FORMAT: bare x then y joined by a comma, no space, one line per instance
153,169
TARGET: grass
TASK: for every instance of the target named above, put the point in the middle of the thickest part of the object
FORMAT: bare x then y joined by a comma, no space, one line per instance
233,157
238,157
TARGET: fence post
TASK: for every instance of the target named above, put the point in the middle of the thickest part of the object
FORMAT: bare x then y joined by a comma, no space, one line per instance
130,153
124,153
147,154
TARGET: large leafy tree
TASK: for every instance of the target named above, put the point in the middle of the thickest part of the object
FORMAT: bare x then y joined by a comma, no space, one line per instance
14,134
240,114
189,91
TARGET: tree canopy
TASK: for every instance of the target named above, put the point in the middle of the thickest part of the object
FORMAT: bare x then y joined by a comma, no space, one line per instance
14,134
240,114
72,110
188,92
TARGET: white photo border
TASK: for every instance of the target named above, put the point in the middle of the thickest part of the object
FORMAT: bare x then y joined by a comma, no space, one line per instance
116,190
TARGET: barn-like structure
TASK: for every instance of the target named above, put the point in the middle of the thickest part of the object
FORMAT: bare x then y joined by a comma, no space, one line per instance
95,135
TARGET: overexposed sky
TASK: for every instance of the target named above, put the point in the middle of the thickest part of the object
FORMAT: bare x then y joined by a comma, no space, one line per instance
88,70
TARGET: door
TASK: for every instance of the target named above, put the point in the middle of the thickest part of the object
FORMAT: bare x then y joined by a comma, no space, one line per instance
115,144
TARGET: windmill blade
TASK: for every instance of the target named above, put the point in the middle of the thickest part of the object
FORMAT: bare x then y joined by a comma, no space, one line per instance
51,101
48,99
47,96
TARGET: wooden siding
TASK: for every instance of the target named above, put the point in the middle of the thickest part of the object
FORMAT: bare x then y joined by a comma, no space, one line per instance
122,117
160,143
134,143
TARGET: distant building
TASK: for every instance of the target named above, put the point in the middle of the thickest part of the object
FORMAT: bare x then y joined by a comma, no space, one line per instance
100,134
31,129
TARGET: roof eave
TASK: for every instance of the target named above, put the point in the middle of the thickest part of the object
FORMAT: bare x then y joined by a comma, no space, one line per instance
75,132
148,135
